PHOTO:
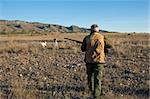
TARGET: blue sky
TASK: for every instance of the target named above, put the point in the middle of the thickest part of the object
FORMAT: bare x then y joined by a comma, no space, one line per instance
111,15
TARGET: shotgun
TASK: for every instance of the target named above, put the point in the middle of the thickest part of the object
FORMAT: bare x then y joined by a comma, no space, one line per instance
108,44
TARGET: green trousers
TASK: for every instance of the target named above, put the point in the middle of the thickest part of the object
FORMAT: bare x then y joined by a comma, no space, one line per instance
95,74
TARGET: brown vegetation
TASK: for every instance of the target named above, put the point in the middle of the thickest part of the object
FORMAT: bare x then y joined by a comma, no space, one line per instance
28,71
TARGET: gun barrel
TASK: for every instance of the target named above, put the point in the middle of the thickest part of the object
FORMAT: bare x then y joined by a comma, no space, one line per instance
73,40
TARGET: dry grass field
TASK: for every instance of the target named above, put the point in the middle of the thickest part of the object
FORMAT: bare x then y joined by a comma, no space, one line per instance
29,71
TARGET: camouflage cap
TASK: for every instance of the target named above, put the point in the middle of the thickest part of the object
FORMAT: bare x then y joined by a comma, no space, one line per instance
95,28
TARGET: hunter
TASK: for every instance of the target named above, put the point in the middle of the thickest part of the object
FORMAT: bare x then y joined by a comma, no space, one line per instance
93,46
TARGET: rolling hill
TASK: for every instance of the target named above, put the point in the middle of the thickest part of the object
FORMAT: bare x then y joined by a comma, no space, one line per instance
24,27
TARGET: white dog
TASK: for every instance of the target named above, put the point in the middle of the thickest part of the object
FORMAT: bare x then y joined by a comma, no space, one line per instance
55,45
44,44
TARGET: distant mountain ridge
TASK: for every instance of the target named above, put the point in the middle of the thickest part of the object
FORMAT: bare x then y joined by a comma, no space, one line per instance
20,27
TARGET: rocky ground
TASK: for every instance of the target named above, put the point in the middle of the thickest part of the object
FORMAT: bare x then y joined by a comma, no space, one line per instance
28,71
